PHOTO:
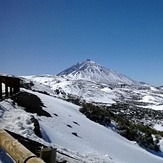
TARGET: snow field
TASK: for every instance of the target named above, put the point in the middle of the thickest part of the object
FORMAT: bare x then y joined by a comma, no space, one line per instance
72,133
93,141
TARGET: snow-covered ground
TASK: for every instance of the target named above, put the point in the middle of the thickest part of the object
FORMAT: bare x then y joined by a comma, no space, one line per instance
99,93
158,127
3,87
72,133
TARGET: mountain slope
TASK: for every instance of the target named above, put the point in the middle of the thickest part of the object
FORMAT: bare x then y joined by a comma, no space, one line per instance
144,96
91,71
72,133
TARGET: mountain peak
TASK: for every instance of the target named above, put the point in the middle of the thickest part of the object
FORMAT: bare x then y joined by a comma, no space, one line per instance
88,61
91,71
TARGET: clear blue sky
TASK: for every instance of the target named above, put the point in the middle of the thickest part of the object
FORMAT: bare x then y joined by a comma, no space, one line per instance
48,36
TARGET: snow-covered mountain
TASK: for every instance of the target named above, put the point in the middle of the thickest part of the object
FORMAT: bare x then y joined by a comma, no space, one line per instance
91,71
72,133
91,82
69,130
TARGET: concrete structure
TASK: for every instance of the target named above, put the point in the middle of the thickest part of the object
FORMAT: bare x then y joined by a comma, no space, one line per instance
12,85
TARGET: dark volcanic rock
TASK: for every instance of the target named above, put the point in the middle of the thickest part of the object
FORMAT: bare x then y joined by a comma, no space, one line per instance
31,103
